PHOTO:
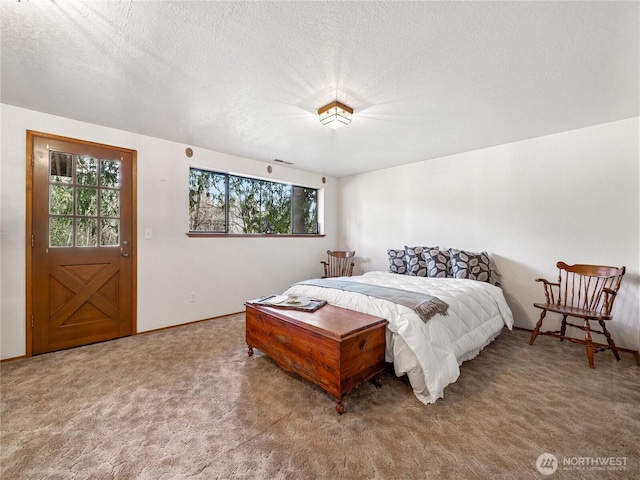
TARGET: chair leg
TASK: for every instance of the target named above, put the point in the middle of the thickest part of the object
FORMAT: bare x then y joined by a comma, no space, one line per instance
536,330
612,345
563,328
589,344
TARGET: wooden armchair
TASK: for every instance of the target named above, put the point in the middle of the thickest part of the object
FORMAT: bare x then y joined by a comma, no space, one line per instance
338,264
586,292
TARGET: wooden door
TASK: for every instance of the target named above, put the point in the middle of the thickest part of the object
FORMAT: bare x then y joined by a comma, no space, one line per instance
82,272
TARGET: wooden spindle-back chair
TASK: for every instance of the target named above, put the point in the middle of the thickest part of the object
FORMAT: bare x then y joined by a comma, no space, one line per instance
586,292
338,264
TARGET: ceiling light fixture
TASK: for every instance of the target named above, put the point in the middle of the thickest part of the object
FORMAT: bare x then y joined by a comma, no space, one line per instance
335,115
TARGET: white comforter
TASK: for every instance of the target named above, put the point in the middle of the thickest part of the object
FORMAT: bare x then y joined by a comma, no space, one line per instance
428,353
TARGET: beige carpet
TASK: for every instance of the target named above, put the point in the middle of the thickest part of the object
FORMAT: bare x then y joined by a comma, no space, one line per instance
188,403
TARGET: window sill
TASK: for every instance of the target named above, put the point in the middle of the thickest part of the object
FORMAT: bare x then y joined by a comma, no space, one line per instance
254,235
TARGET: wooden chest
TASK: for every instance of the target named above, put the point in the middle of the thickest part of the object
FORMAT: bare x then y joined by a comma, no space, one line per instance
334,348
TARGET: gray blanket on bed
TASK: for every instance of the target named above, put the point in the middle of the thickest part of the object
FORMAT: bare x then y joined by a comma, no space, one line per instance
424,305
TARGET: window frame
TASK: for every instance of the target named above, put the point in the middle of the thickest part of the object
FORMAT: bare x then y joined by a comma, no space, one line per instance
226,234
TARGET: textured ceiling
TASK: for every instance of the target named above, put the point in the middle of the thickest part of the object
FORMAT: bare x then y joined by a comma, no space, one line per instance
426,79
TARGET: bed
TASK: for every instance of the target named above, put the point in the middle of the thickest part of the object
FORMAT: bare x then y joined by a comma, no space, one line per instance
429,353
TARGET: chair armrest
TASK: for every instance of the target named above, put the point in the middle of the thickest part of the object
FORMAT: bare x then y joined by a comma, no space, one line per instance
325,269
548,289
609,297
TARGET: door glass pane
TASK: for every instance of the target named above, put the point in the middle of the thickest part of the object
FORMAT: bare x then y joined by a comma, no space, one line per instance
60,231
110,173
61,167
87,201
86,170
109,232
86,232
60,200
84,200
109,203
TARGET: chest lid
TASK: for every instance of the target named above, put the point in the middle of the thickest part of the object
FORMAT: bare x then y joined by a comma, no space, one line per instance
331,321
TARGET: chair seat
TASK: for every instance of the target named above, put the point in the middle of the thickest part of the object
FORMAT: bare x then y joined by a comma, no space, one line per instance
572,311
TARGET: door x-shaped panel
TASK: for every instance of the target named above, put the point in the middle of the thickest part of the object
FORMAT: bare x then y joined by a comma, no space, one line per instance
100,291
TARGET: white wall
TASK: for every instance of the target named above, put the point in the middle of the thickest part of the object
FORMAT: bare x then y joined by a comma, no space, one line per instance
223,271
572,196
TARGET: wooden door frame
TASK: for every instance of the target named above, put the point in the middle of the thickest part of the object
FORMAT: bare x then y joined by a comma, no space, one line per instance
29,230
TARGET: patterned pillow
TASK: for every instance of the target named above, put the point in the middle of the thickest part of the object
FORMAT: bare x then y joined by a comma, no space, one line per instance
475,266
397,263
438,263
416,264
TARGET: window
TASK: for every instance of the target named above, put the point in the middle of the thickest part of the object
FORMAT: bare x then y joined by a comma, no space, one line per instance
84,201
223,203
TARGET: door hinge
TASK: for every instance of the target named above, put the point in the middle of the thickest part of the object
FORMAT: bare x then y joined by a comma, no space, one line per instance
32,160
31,320
32,241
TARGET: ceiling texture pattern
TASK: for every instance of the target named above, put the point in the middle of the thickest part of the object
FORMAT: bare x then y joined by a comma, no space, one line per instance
426,79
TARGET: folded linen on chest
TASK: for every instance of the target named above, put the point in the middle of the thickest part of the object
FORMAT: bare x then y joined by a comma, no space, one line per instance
426,306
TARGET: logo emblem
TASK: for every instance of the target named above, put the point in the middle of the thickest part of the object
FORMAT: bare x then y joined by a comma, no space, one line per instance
547,463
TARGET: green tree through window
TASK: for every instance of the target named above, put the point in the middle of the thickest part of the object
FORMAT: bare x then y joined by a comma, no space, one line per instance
224,203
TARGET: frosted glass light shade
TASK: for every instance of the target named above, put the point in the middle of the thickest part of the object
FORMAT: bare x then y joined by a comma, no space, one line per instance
335,115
